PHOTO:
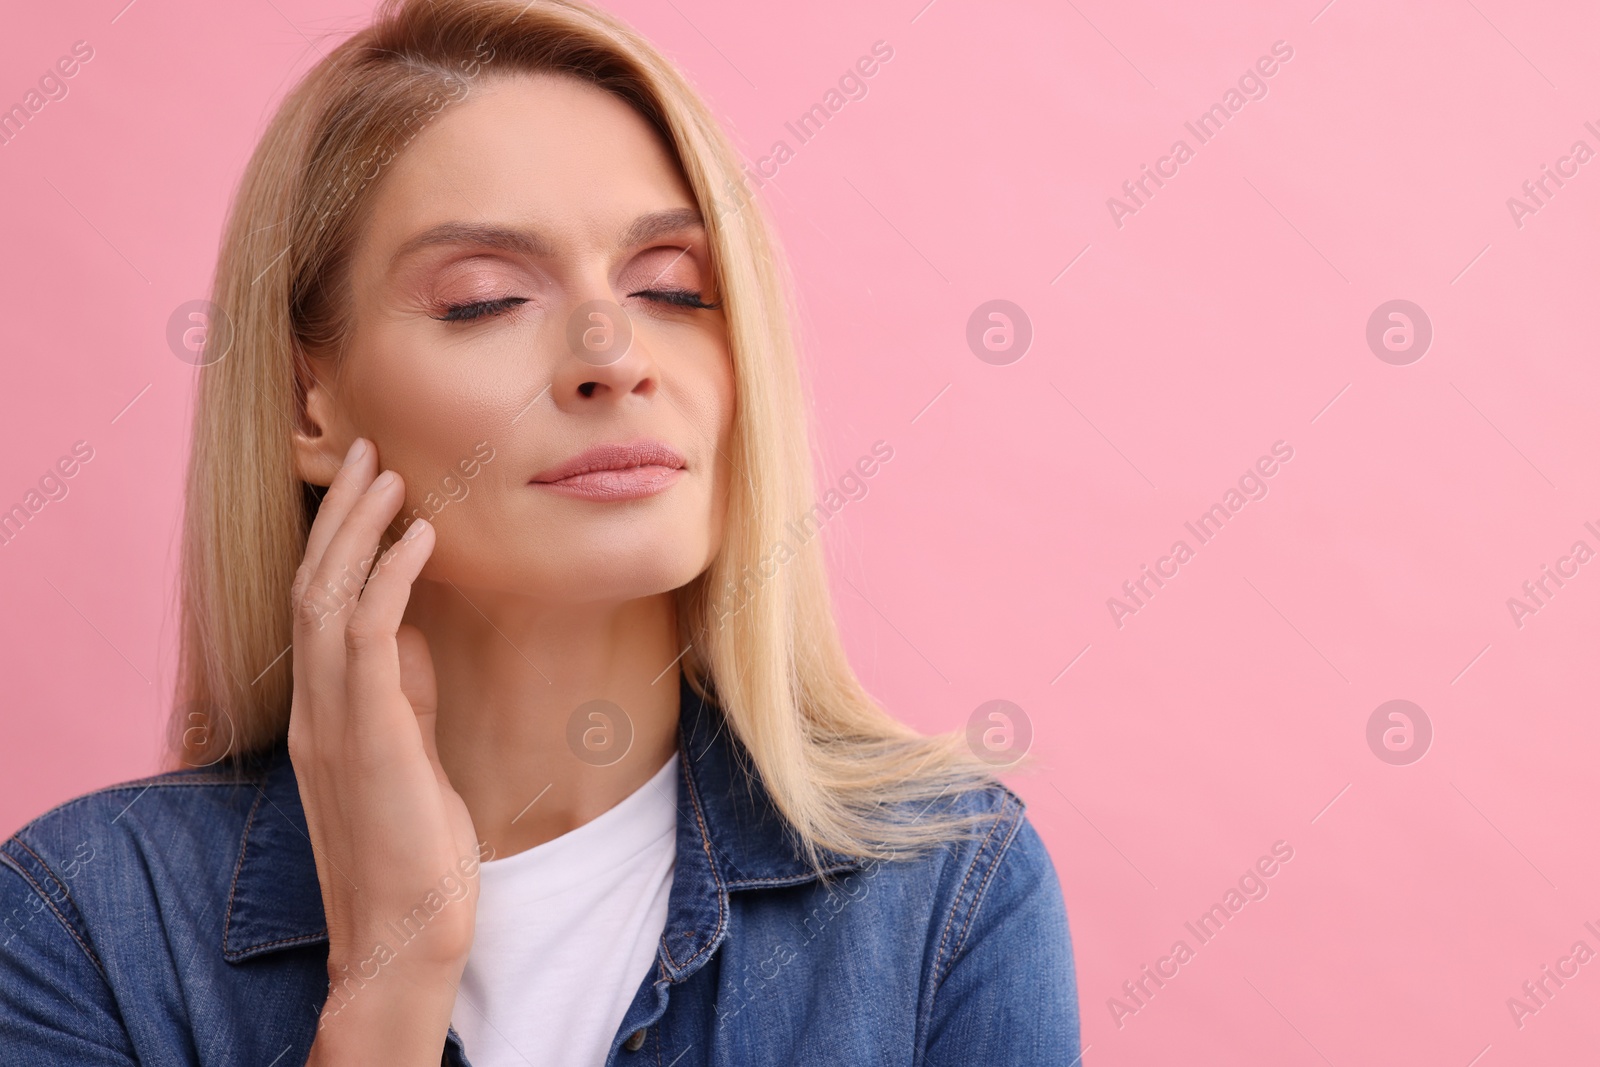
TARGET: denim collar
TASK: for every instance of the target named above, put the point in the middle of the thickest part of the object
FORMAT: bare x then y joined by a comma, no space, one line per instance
730,838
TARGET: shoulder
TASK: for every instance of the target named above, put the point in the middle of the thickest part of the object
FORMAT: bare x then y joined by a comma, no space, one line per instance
1001,983
982,921
204,802
115,850
113,907
995,882
984,883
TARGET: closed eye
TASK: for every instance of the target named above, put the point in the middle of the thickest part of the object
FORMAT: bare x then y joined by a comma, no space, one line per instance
490,308
677,297
481,309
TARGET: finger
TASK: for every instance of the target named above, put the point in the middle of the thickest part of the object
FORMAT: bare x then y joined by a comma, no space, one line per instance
334,590
354,548
374,673
351,481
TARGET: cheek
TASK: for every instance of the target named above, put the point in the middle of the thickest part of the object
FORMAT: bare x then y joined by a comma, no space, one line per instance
426,419
725,393
716,423
727,405
727,409
697,374
393,387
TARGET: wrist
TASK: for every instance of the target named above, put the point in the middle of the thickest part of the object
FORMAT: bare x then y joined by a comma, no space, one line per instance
389,1015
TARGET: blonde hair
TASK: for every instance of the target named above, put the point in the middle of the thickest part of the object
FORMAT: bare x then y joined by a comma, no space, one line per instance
763,644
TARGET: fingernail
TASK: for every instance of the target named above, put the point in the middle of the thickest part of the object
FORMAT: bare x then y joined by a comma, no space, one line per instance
357,450
384,481
414,529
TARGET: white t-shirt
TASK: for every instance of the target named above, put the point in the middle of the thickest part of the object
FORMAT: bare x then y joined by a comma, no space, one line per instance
566,933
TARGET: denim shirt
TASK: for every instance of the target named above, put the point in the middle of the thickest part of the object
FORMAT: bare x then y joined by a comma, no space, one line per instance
178,920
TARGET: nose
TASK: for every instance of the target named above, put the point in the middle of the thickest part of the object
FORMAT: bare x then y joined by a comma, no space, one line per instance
604,360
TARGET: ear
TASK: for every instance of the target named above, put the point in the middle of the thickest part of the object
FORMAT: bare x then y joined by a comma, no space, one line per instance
322,435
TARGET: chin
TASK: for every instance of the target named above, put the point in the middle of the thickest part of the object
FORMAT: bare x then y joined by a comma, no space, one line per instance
613,577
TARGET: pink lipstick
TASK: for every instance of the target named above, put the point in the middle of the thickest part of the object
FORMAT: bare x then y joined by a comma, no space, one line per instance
615,471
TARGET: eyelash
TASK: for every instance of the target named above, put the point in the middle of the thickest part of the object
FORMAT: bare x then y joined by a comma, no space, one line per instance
469,312
488,308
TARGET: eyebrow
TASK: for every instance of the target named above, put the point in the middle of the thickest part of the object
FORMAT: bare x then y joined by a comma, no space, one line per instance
531,243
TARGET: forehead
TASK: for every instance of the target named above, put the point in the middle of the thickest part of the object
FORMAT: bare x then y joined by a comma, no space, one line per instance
548,152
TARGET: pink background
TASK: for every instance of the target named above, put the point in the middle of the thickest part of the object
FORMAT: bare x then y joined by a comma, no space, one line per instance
1228,313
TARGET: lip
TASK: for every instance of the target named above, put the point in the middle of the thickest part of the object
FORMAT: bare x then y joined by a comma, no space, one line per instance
615,471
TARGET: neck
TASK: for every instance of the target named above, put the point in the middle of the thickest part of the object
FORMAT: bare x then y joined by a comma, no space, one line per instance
513,674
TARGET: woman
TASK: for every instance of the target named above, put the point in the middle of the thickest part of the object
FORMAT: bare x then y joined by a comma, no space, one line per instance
513,720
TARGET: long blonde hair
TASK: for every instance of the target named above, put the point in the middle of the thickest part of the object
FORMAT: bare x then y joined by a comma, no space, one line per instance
845,774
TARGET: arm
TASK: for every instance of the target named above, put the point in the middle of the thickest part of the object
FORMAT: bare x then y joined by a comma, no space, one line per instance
385,823
1006,990
56,1009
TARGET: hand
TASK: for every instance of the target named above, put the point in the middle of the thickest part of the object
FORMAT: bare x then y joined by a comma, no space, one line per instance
396,853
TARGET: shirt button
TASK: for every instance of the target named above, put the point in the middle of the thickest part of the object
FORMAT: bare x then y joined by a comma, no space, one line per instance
635,1041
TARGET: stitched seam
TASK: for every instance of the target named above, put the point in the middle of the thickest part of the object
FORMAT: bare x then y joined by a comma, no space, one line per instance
65,890
298,939
956,905
705,845
62,919
722,915
925,1012
233,886
977,897
939,957
1011,827
798,879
